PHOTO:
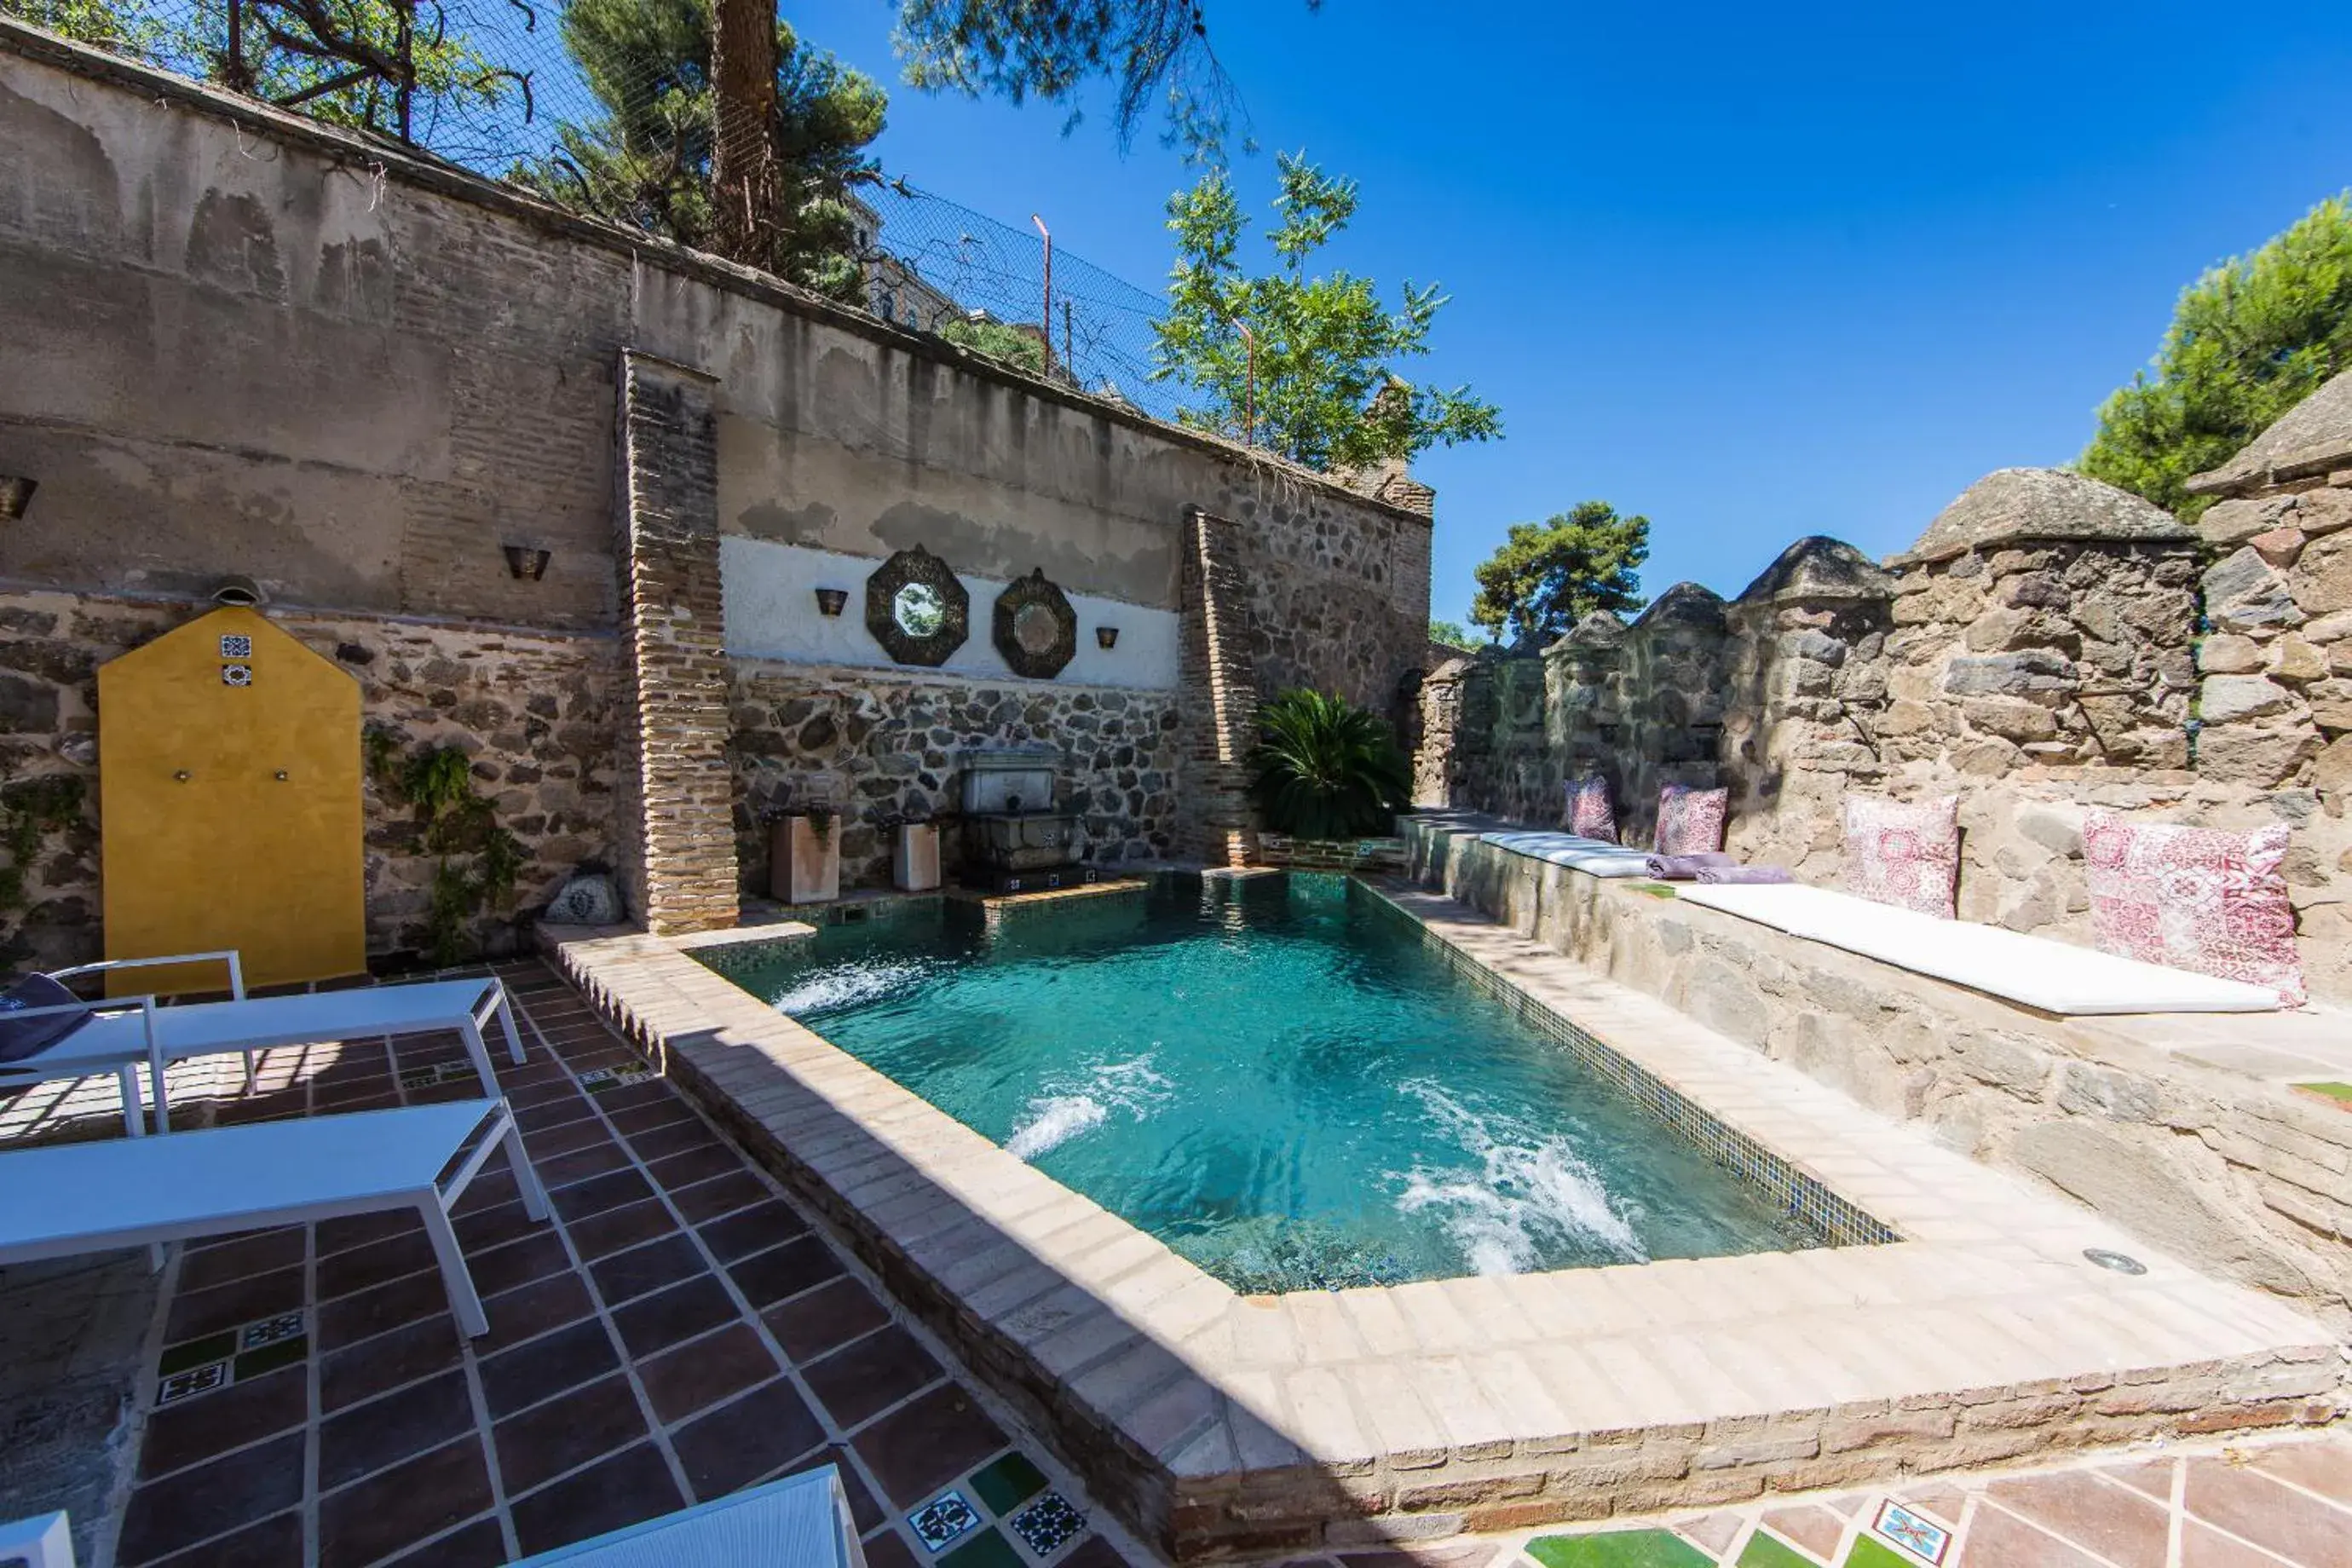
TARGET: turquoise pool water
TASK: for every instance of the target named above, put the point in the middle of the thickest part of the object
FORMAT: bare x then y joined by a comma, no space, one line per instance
1286,1084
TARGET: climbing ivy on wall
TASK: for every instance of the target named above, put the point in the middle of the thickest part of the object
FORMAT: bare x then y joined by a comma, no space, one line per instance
477,859
30,810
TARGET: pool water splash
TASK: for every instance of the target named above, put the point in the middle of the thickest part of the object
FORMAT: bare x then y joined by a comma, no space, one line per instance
1528,1194
1067,1110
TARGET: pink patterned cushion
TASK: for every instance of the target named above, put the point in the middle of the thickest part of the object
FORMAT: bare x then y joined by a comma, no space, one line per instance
1590,814
2194,897
1690,821
1905,853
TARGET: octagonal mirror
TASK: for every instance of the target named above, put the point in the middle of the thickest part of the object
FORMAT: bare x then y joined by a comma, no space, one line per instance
917,609
1035,627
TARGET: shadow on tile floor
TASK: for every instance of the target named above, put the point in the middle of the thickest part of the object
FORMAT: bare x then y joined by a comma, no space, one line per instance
678,1330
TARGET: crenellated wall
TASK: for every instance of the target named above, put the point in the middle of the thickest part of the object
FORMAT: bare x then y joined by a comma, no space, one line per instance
2038,653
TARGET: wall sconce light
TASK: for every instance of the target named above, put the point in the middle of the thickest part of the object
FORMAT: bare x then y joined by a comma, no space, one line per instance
829,600
1105,636
525,562
15,495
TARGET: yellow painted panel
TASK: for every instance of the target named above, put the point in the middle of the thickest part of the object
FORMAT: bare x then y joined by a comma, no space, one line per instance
229,805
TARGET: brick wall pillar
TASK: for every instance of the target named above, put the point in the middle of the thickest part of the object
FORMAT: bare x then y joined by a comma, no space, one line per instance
1220,694
676,827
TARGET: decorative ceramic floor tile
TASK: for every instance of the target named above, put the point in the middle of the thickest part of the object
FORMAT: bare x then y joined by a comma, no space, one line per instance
1764,1551
1048,1524
945,1519
1923,1538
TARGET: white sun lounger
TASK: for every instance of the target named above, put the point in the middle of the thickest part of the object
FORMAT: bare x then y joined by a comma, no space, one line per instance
2054,976
73,1198
129,1033
800,1521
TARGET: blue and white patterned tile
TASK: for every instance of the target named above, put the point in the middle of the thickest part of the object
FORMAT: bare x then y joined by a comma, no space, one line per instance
947,1518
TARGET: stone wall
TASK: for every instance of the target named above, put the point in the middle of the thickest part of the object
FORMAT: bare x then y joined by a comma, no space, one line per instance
536,712
2225,1171
886,746
2037,653
245,343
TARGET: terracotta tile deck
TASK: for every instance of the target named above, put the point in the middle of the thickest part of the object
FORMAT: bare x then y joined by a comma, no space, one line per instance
680,1329
677,1332
2255,1505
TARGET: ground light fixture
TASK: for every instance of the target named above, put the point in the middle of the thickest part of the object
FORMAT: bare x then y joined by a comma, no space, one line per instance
2118,1262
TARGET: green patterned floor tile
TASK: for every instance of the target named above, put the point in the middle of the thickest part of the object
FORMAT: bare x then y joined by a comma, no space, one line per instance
269,1358
2340,1093
198,1352
1005,1484
987,1550
1618,1549
1870,1553
1769,1551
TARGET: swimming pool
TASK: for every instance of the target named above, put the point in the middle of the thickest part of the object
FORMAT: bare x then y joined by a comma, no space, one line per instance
1280,1078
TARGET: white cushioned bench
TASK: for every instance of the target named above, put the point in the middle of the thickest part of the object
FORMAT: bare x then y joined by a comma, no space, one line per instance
2053,976
1594,857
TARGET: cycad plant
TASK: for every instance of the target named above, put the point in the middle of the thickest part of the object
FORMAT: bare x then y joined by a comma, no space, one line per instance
1325,769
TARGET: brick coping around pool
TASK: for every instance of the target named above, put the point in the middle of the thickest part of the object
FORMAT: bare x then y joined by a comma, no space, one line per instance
1227,1426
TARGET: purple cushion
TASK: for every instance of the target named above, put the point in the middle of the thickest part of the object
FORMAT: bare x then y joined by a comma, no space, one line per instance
21,1037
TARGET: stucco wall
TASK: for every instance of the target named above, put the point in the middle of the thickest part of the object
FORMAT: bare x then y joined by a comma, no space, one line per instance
241,343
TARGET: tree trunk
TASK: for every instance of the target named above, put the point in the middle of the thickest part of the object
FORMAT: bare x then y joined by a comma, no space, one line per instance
743,165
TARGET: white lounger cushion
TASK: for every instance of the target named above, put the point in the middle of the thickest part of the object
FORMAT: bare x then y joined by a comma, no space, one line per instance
800,1521
1594,857
209,1029
72,1198
2054,976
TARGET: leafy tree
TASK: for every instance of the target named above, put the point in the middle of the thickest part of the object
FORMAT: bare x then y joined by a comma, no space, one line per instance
1324,768
647,160
1547,576
1022,350
1324,393
1451,635
2249,340
343,61
1051,49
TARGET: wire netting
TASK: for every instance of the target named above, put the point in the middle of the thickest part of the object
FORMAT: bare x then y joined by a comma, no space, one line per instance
495,86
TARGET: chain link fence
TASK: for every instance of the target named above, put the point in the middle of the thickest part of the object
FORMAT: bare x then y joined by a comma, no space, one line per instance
504,88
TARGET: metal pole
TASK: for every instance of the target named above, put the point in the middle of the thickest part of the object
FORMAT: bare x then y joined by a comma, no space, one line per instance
1067,356
1046,322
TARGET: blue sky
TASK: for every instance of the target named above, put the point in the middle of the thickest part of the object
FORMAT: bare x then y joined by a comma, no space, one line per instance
1756,272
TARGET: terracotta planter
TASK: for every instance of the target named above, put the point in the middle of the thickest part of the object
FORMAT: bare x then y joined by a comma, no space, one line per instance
805,865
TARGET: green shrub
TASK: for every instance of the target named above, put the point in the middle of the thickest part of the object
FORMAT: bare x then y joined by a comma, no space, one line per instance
1325,769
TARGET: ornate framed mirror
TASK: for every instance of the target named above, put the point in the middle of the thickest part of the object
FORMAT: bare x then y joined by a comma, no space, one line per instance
1035,627
917,609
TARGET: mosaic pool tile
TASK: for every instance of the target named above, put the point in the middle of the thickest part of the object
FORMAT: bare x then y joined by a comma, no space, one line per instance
1769,1551
1005,1484
1922,1537
1048,1524
987,1550
946,1518
1618,1549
